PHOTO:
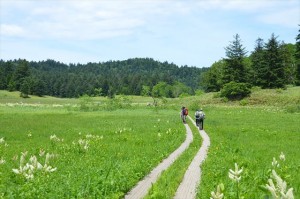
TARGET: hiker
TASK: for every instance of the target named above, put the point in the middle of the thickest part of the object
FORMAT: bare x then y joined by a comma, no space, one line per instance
183,114
199,116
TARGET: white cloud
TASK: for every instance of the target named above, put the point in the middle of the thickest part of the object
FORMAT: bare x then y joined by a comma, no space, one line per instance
11,30
286,18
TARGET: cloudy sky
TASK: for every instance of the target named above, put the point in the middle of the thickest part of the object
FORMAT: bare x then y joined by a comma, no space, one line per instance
185,32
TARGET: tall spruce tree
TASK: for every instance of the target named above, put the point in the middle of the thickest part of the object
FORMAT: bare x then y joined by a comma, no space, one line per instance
297,57
259,65
22,71
287,52
275,76
234,69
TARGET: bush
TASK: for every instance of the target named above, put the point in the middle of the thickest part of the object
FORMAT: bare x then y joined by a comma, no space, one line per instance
244,102
235,91
199,92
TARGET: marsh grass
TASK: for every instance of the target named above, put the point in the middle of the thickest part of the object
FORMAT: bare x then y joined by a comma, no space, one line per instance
250,133
128,149
251,137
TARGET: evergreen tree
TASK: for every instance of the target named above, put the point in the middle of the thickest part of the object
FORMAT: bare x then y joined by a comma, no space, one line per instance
259,65
6,73
22,71
297,58
275,76
287,52
234,69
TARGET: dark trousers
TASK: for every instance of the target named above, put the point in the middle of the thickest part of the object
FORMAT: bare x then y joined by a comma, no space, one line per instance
199,123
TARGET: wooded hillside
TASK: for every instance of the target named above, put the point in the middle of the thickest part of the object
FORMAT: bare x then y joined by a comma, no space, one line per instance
138,76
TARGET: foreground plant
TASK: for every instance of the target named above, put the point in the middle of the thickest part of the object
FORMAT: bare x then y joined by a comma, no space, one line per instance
235,176
278,190
218,194
28,169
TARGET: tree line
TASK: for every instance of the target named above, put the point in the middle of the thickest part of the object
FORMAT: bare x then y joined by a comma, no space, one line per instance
272,64
138,76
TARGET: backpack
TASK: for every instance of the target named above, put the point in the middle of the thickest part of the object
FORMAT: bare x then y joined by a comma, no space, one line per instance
201,115
186,111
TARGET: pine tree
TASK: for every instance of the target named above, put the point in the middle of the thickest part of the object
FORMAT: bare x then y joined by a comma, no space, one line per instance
259,66
275,76
297,57
234,69
20,74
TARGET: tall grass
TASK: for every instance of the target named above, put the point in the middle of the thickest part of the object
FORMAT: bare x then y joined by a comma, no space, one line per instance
123,146
251,137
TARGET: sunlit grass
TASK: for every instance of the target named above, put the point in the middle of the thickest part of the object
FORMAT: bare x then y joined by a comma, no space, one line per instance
250,137
130,146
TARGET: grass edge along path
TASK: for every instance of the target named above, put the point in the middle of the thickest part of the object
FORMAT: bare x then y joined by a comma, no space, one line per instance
170,179
192,177
142,187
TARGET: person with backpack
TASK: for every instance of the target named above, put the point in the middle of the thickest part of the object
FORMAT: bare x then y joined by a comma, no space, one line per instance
184,112
199,116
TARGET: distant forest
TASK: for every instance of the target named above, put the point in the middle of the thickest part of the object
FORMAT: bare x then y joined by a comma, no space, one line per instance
272,64
139,76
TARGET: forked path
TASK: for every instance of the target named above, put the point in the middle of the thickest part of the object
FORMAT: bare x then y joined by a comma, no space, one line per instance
188,186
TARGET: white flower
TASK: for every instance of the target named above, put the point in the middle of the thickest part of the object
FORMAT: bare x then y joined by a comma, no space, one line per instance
282,156
218,194
2,140
49,168
42,152
29,135
272,189
278,191
235,175
54,138
275,163
2,161
16,171
289,194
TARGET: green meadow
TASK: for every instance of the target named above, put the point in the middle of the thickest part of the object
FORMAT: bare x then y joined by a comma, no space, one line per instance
101,148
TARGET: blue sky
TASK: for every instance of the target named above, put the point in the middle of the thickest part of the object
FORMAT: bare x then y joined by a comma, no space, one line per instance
183,32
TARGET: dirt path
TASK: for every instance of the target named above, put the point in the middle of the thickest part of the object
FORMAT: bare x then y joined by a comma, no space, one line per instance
141,189
188,187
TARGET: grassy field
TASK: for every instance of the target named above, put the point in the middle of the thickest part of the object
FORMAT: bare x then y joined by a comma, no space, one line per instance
250,137
122,147
125,142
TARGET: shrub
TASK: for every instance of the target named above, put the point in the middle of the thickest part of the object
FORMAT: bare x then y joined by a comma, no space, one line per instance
244,102
199,92
235,91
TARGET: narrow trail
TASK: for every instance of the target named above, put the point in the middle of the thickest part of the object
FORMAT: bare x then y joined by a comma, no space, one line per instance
188,187
141,189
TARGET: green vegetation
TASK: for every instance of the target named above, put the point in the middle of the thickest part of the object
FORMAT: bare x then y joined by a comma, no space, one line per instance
273,64
103,147
96,153
167,184
250,137
129,77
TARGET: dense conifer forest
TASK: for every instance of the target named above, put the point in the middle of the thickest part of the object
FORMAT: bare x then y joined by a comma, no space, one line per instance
139,76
